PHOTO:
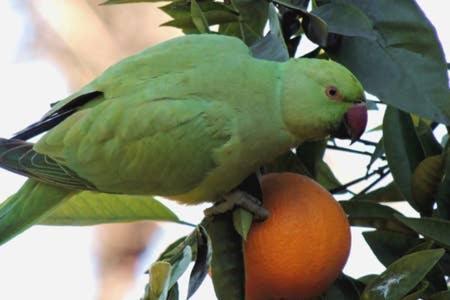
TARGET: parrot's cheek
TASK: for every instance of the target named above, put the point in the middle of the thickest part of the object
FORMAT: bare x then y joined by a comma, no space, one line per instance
353,124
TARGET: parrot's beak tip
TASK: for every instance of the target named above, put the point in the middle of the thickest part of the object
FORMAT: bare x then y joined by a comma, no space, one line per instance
354,123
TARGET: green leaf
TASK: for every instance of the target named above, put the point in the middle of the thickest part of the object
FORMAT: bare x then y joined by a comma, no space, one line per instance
214,13
180,266
407,50
159,280
443,190
198,18
344,288
427,139
227,264
419,291
326,177
272,46
402,276
110,2
253,16
202,260
242,221
444,295
425,182
346,19
403,150
311,154
389,246
173,293
315,28
433,228
388,193
370,214
288,162
90,208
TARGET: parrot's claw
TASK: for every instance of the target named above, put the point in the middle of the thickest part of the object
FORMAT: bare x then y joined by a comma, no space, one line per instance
242,199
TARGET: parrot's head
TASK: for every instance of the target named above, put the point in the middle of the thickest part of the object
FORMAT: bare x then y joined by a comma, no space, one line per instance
322,98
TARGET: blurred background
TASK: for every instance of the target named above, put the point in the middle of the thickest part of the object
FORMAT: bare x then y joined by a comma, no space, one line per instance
51,48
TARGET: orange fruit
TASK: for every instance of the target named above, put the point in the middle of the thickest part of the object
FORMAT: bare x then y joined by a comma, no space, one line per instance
302,247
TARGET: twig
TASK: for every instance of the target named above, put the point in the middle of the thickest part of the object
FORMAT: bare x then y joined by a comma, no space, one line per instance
382,175
367,143
334,147
344,187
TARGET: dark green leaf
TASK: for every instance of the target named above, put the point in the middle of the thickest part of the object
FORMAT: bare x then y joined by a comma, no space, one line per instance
253,16
174,250
242,221
425,182
109,2
407,50
346,19
443,190
367,278
227,264
214,13
419,291
403,150
444,295
326,177
433,228
344,288
389,246
402,276
271,46
202,260
198,17
427,139
315,28
311,154
90,208
370,214
388,193
173,293
180,266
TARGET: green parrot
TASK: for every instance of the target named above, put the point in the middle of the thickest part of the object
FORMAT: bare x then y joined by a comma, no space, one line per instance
188,119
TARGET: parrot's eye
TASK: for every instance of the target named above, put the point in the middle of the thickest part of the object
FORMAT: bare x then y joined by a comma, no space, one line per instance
333,93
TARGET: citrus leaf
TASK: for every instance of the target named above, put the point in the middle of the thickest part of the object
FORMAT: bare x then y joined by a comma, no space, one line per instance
198,17
227,264
272,46
253,16
242,221
414,59
288,162
173,293
202,260
388,193
389,246
403,150
402,276
180,266
315,28
159,280
444,295
346,19
326,177
370,214
443,190
420,290
427,139
344,288
90,208
425,182
110,2
311,154
377,153
433,228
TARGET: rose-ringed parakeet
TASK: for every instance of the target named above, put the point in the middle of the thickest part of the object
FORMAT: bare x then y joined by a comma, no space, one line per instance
188,119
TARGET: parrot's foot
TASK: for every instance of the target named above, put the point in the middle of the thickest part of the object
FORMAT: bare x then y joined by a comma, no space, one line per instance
242,199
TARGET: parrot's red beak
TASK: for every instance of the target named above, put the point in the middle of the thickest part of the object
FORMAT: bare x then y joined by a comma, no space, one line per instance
354,123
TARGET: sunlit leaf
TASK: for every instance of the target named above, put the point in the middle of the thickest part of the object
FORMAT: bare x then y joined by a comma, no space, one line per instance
242,221
402,276
159,280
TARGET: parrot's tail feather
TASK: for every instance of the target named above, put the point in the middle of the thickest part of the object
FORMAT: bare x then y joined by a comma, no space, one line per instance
28,206
19,157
